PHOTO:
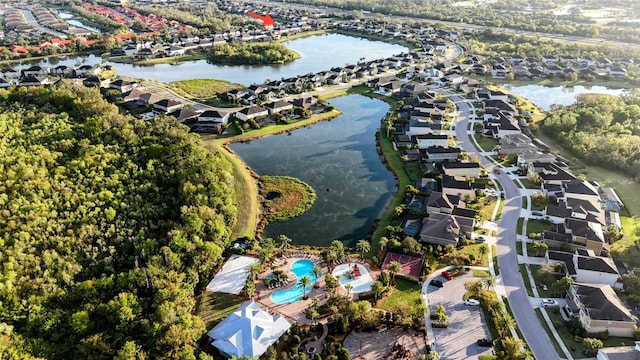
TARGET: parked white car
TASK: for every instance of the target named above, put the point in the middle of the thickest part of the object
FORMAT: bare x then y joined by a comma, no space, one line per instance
549,303
472,302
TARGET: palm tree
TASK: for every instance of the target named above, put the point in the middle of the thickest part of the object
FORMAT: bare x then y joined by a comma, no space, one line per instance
363,246
285,241
394,268
384,241
540,247
514,349
337,247
489,282
473,286
305,281
505,322
317,272
254,270
348,287
483,250
250,289
376,288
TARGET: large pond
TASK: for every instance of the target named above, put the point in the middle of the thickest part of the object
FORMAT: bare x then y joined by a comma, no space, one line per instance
318,53
338,159
544,97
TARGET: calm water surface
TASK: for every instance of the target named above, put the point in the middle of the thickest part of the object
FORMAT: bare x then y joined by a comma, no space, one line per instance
338,159
318,53
544,97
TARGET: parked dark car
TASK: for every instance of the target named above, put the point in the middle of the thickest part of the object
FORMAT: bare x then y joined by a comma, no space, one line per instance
436,283
484,342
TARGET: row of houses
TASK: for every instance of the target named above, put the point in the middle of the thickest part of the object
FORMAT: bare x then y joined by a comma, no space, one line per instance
41,75
568,67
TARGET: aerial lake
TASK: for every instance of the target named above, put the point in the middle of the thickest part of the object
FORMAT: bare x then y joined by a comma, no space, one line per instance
318,53
544,96
338,159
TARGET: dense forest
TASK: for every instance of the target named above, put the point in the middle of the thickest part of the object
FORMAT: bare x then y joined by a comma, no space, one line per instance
109,225
251,54
602,129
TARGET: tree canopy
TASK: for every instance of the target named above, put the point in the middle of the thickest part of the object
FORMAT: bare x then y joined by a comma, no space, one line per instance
108,227
602,129
251,54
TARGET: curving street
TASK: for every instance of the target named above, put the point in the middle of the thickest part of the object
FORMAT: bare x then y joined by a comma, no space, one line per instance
509,281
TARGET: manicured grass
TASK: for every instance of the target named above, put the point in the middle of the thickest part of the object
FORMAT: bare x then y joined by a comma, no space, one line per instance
486,143
519,248
484,206
404,293
480,273
538,226
519,227
556,346
494,252
529,184
525,202
474,250
525,278
204,88
213,307
538,280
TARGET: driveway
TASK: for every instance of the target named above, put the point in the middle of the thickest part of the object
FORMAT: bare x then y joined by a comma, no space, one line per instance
466,323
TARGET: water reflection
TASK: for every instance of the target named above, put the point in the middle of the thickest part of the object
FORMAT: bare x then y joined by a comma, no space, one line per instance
338,159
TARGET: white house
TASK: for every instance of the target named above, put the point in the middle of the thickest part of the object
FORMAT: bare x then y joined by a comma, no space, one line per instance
248,331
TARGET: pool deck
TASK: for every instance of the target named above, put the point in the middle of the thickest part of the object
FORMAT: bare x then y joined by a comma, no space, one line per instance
295,312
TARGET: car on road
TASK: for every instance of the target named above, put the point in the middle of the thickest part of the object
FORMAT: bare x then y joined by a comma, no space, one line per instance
436,283
480,239
447,276
537,213
472,302
484,342
549,303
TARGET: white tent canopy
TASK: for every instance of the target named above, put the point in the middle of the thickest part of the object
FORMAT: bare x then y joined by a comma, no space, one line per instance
248,331
233,276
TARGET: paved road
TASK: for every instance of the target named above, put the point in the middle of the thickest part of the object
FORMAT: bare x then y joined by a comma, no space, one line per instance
28,15
529,324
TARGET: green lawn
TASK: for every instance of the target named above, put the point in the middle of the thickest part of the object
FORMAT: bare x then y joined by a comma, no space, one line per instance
494,252
538,281
204,88
213,307
486,143
556,346
525,278
531,251
404,293
519,248
538,226
519,226
480,273
525,202
529,184
474,250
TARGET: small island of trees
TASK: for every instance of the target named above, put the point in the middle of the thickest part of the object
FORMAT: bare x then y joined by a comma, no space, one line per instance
251,54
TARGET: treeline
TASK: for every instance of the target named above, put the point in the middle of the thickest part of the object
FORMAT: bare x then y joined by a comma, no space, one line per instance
490,42
540,21
602,129
251,54
108,227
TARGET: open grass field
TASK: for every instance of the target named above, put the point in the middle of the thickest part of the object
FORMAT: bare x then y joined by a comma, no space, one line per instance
405,295
204,88
474,249
486,143
537,226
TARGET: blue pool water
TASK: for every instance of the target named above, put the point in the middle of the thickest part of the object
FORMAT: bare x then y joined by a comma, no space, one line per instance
300,268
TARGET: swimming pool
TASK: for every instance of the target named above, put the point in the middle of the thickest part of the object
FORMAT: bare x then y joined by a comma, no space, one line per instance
300,268
358,285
